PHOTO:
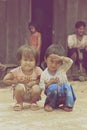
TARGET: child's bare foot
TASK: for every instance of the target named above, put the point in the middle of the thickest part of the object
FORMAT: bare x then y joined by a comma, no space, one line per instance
67,109
48,108
18,107
34,107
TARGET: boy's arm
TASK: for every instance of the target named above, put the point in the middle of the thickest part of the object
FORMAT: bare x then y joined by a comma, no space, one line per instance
67,63
42,81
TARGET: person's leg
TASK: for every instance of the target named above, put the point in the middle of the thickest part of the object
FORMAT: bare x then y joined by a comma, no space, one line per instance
73,54
47,106
70,97
80,55
85,60
50,102
35,96
19,94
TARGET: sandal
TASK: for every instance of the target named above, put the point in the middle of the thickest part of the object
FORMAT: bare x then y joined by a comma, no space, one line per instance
17,107
61,107
34,107
48,108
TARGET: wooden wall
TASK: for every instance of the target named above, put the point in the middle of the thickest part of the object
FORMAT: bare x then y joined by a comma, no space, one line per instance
76,10
15,15
60,22
3,17
14,18
66,14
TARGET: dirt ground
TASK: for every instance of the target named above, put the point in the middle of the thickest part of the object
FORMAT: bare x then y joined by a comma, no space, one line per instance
42,120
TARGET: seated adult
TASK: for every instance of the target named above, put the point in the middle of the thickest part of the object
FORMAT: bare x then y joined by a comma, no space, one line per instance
77,46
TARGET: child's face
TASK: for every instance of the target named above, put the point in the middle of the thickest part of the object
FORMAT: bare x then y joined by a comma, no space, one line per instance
28,63
32,29
81,30
53,63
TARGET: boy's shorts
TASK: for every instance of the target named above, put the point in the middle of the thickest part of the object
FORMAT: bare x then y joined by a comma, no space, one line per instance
51,88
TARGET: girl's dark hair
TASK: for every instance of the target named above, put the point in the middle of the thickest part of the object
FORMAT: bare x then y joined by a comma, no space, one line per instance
79,24
27,50
33,24
55,49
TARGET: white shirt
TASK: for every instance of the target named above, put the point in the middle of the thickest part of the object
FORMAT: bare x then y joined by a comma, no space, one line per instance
60,74
72,40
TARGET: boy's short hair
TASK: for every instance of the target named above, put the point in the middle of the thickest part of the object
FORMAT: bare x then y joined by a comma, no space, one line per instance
27,50
55,49
79,24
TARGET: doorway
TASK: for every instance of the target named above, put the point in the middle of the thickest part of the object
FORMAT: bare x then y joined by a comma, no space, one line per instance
42,15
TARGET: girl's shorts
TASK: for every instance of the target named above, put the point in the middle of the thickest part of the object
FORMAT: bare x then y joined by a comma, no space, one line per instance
27,92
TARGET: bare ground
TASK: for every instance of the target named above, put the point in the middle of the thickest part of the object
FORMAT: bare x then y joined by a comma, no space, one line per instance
42,120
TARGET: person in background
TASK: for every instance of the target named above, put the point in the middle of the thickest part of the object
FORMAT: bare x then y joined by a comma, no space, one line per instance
77,46
54,80
2,67
35,37
25,78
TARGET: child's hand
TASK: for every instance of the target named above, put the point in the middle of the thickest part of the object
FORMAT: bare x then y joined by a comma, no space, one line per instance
22,79
14,81
32,83
51,81
2,67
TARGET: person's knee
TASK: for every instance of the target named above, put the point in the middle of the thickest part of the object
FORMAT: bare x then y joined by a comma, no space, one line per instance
36,89
19,88
74,56
36,93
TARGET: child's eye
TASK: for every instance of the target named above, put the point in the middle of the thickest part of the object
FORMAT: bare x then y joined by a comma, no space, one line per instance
25,59
31,59
51,61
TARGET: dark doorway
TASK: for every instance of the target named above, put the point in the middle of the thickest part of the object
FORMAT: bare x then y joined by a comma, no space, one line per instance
42,14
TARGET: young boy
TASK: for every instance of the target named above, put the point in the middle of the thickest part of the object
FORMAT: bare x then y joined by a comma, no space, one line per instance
54,80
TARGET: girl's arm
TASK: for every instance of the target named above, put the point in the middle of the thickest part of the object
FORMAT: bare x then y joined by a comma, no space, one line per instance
39,42
9,79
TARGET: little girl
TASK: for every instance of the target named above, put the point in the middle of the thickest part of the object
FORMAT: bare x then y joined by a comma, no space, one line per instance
35,36
54,80
25,78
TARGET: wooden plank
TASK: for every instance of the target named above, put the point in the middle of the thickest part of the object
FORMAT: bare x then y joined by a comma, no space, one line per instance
2,31
12,30
59,24
17,21
82,14
24,18
72,15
